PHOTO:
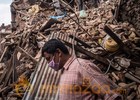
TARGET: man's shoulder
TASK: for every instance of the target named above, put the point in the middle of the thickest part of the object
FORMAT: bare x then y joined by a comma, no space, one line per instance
88,66
81,61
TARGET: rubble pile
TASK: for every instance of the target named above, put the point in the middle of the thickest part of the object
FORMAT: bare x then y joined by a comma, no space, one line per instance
112,45
129,11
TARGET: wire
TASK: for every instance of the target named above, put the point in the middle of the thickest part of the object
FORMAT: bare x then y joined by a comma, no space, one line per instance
67,6
110,62
77,22
70,2
73,48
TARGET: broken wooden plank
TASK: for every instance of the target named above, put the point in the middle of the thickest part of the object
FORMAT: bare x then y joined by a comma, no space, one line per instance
132,77
48,24
80,41
5,49
34,60
116,15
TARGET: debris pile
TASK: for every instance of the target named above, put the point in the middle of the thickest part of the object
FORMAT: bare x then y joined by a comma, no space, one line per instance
112,45
129,11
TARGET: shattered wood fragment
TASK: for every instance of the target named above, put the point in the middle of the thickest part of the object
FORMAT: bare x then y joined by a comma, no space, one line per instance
116,15
3,53
27,54
48,24
132,77
80,41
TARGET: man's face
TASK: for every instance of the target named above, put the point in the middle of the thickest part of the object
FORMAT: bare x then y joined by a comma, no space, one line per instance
55,57
48,57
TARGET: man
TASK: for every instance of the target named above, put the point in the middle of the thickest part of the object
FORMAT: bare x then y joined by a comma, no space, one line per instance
81,79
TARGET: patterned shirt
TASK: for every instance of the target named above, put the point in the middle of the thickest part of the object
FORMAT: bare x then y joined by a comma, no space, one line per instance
83,80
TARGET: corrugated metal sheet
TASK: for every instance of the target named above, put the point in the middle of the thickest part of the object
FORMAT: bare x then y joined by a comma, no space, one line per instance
44,83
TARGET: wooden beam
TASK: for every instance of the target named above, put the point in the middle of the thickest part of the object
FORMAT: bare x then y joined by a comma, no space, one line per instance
5,49
48,24
80,41
88,53
34,60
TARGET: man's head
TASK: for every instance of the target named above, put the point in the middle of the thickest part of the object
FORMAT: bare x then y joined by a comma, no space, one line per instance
55,53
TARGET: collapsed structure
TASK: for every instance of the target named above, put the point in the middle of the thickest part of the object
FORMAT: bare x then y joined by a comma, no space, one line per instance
100,37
